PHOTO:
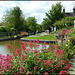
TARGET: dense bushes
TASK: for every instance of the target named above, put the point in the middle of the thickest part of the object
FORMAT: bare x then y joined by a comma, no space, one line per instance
67,22
31,60
2,29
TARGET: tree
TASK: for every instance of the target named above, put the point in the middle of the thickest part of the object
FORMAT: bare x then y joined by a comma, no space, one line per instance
14,18
46,24
67,22
32,23
54,14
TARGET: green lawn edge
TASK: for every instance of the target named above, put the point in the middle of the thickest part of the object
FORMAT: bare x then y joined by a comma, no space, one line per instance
45,37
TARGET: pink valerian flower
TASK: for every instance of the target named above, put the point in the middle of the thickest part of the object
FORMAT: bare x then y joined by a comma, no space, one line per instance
37,41
17,61
59,32
45,61
29,73
49,45
68,30
35,51
34,40
52,70
57,69
48,49
22,70
1,72
8,58
27,49
48,63
37,45
64,32
0,62
57,65
13,52
56,47
25,44
20,41
65,61
59,53
40,61
63,73
42,50
30,41
30,45
23,47
44,44
18,52
67,66
9,47
0,56
23,57
35,68
46,73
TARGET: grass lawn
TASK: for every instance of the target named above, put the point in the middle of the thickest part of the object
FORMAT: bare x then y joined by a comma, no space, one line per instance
45,37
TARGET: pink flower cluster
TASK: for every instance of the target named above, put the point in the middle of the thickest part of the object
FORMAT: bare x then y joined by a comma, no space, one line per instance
30,62
64,32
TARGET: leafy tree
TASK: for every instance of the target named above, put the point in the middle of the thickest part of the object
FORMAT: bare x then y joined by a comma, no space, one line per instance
32,24
54,14
46,24
14,18
67,22
39,28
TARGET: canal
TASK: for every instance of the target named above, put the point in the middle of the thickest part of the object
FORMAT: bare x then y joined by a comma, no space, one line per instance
15,44
3,46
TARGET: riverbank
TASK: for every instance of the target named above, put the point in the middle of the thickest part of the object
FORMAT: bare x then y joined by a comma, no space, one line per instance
43,37
42,41
12,38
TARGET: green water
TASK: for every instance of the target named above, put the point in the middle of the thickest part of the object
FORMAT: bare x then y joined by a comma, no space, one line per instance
14,43
3,46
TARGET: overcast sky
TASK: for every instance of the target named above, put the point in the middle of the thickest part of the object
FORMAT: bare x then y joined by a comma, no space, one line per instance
34,8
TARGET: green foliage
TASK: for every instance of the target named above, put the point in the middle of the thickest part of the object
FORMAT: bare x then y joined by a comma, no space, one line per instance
39,28
69,46
72,33
32,23
67,22
14,18
12,29
54,15
45,37
2,29
45,25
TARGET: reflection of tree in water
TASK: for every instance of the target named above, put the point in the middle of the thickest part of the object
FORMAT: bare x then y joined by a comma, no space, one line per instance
13,43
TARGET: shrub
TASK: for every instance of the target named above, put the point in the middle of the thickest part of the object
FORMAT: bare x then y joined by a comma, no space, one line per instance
33,61
2,29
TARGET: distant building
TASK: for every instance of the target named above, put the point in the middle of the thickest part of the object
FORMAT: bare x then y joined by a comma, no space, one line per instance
72,14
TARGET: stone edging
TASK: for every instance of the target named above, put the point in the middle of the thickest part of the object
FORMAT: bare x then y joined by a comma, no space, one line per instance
47,41
4,39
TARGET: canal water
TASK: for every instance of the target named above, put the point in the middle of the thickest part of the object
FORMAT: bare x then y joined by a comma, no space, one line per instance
3,46
14,43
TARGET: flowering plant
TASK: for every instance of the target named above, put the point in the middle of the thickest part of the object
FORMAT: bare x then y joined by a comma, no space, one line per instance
29,60
65,32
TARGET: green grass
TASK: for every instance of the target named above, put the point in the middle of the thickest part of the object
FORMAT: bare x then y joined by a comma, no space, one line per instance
46,37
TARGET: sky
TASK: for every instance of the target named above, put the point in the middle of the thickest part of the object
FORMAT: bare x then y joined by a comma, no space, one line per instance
34,8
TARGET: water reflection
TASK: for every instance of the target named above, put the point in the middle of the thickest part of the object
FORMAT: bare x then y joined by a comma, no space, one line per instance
14,43
3,46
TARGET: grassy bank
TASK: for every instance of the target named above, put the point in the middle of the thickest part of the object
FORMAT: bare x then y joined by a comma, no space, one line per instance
45,37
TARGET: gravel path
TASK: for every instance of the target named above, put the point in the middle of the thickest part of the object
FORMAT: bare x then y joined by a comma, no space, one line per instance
72,65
